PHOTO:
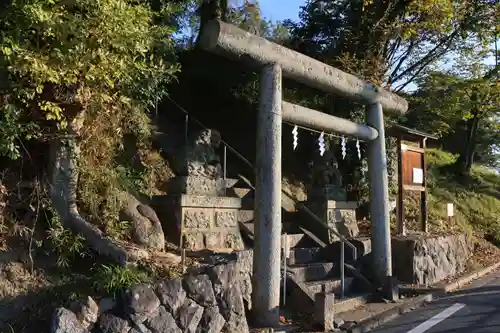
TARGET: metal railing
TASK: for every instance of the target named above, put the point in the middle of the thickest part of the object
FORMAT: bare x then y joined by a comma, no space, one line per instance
343,241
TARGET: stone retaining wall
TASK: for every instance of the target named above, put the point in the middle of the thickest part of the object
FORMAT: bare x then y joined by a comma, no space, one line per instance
214,299
426,260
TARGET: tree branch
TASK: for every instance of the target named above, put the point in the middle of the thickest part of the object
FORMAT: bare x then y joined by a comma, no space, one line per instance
402,59
429,57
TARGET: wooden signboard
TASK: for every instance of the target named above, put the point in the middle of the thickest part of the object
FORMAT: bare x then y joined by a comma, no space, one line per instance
412,176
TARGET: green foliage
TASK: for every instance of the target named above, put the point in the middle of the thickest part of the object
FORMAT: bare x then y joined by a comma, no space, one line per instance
439,158
462,109
13,131
91,69
450,98
65,244
111,279
61,58
476,199
389,41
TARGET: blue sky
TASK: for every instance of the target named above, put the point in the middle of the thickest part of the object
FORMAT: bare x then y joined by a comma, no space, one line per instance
281,9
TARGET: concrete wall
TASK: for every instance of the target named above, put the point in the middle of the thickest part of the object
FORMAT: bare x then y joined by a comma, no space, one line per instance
426,260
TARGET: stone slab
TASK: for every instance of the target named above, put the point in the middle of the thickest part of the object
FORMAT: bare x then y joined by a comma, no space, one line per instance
198,185
331,204
313,271
214,239
208,218
348,303
339,215
327,286
202,201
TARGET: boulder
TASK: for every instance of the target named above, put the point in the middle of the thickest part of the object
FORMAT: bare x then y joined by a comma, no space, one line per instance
171,294
65,321
140,302
162,321
111,323
189,316
199,288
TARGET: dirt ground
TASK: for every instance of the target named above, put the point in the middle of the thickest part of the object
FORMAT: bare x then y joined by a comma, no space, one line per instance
27,299
18,288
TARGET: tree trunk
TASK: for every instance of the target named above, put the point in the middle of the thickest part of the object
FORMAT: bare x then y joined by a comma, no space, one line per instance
212,10
466,158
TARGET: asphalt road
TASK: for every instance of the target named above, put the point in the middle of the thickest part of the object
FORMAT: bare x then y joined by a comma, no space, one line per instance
475,309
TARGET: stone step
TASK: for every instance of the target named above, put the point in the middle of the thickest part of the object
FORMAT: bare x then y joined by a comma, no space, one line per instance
304,255
351,302
246,220
327,286
362,244
245,216
312,271
328,307
303,296
238,192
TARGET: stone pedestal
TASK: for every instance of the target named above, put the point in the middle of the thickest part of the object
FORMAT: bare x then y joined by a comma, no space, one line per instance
199,185
197,212
204,222
326,192
340,215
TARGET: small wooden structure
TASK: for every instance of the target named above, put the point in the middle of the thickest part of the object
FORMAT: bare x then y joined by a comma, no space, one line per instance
412,171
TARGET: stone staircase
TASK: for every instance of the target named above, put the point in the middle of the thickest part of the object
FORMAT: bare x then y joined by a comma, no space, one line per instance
209,214
314,274
314,281
313,269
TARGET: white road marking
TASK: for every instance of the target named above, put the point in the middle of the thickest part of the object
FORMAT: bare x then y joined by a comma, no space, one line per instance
437,318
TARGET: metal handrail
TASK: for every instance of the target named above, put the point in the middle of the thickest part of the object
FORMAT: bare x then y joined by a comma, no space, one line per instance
297,203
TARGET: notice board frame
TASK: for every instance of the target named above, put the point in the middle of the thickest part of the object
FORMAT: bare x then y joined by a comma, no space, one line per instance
410,157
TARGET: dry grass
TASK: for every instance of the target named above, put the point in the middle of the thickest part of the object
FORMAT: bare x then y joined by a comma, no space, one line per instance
476,201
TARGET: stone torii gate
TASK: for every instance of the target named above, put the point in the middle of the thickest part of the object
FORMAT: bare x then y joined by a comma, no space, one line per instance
274,61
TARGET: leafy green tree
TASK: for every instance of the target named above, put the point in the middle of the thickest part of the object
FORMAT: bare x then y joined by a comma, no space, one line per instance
91,70
463,110
62,60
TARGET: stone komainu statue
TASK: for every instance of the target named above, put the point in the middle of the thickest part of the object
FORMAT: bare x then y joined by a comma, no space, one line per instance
326,171
326,178
199,157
